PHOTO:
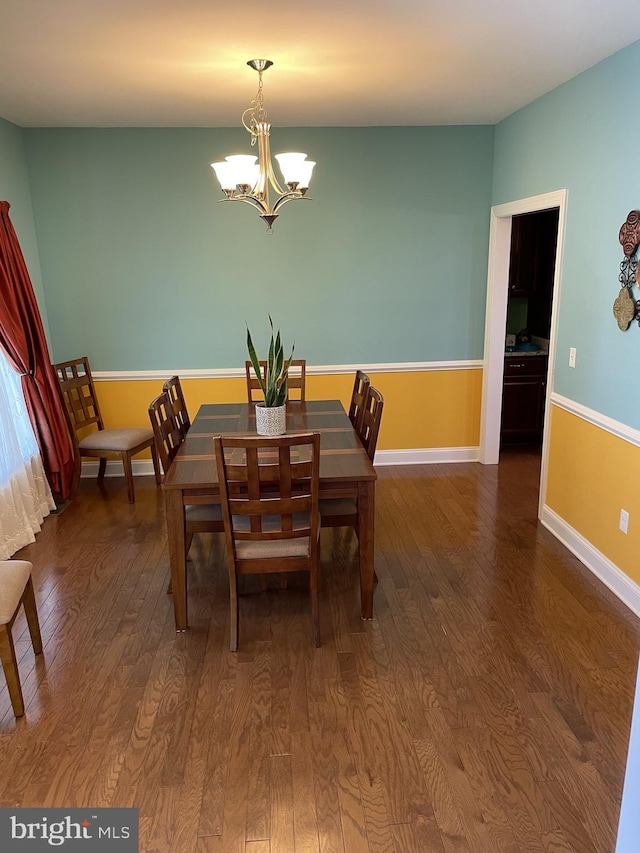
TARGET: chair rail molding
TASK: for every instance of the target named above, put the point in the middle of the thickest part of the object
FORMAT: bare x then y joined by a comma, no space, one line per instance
314,370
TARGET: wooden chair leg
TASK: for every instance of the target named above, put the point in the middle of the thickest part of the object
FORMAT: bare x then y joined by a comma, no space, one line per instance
315,613
102,467
156,465
233,599
29,601
128,473
10,667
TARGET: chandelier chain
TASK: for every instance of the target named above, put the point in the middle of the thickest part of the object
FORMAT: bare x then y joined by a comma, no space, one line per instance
256,112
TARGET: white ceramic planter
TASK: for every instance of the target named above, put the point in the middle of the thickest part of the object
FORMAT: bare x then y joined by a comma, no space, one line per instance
272,420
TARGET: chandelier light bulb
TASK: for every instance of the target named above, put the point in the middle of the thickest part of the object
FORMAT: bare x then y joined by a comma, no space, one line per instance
292,167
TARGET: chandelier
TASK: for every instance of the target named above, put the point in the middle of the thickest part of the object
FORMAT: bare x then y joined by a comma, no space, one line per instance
242,179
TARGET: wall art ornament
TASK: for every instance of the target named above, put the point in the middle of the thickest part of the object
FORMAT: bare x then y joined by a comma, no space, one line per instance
626,307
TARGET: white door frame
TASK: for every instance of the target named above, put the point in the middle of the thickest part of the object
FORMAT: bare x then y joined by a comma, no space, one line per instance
496,322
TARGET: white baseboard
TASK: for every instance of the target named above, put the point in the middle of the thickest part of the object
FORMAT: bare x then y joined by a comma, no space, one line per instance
427,455
140,468
419,456
618,582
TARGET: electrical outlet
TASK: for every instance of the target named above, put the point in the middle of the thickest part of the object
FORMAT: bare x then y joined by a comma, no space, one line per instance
624,520
572,356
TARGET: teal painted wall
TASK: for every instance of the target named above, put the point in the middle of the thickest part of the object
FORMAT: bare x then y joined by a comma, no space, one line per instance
583,136
143,269
14,188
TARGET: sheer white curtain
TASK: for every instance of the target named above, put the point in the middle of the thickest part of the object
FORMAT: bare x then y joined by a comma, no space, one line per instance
25,496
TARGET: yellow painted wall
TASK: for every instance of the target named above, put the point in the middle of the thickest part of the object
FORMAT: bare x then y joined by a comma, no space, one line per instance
425,409
592,475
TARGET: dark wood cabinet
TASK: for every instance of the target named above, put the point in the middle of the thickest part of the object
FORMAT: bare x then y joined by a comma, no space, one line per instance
532,265
523,252
525,380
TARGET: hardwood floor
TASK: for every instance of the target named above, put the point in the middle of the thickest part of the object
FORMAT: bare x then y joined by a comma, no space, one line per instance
485,709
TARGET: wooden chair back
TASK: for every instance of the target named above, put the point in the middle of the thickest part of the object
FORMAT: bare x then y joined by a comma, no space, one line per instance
358,395
370,422
269,493
173,388
167,434
76,384
296,380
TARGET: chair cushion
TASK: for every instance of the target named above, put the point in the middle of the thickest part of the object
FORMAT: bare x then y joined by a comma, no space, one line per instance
270,548
14,575
338,506
203,512
115,439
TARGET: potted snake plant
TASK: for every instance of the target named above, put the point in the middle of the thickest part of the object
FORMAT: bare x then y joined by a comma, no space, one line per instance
271,416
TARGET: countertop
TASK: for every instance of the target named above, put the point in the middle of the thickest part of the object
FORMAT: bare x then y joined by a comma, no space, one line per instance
527,353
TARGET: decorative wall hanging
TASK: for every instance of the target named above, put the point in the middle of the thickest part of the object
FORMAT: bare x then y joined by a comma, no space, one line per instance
626,308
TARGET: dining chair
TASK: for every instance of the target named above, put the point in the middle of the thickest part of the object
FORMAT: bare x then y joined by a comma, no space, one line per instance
370,421
269,490
83,413
198,518
173,388
343,512
358,395
16,588
296,380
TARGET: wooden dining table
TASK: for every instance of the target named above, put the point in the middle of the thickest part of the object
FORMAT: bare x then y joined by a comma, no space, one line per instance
345,472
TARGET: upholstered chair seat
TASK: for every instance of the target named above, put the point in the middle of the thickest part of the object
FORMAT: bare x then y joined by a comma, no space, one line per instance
116,439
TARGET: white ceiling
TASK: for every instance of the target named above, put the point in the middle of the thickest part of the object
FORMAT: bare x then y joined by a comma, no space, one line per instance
181,63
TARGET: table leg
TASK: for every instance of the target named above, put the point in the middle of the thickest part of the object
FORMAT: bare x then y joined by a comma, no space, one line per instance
366,519
177,556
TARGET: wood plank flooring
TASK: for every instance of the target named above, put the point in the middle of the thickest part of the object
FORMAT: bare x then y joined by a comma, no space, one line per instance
485,709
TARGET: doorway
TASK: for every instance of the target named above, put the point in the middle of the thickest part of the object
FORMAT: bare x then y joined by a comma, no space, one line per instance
496,319
534,237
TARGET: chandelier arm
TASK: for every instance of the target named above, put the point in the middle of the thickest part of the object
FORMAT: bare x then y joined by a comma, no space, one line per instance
273,180
264,161
290,196
249,199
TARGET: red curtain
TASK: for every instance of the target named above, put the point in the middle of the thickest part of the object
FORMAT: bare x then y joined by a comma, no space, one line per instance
23,340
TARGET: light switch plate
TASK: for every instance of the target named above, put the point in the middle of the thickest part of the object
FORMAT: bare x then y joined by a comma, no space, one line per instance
572,356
